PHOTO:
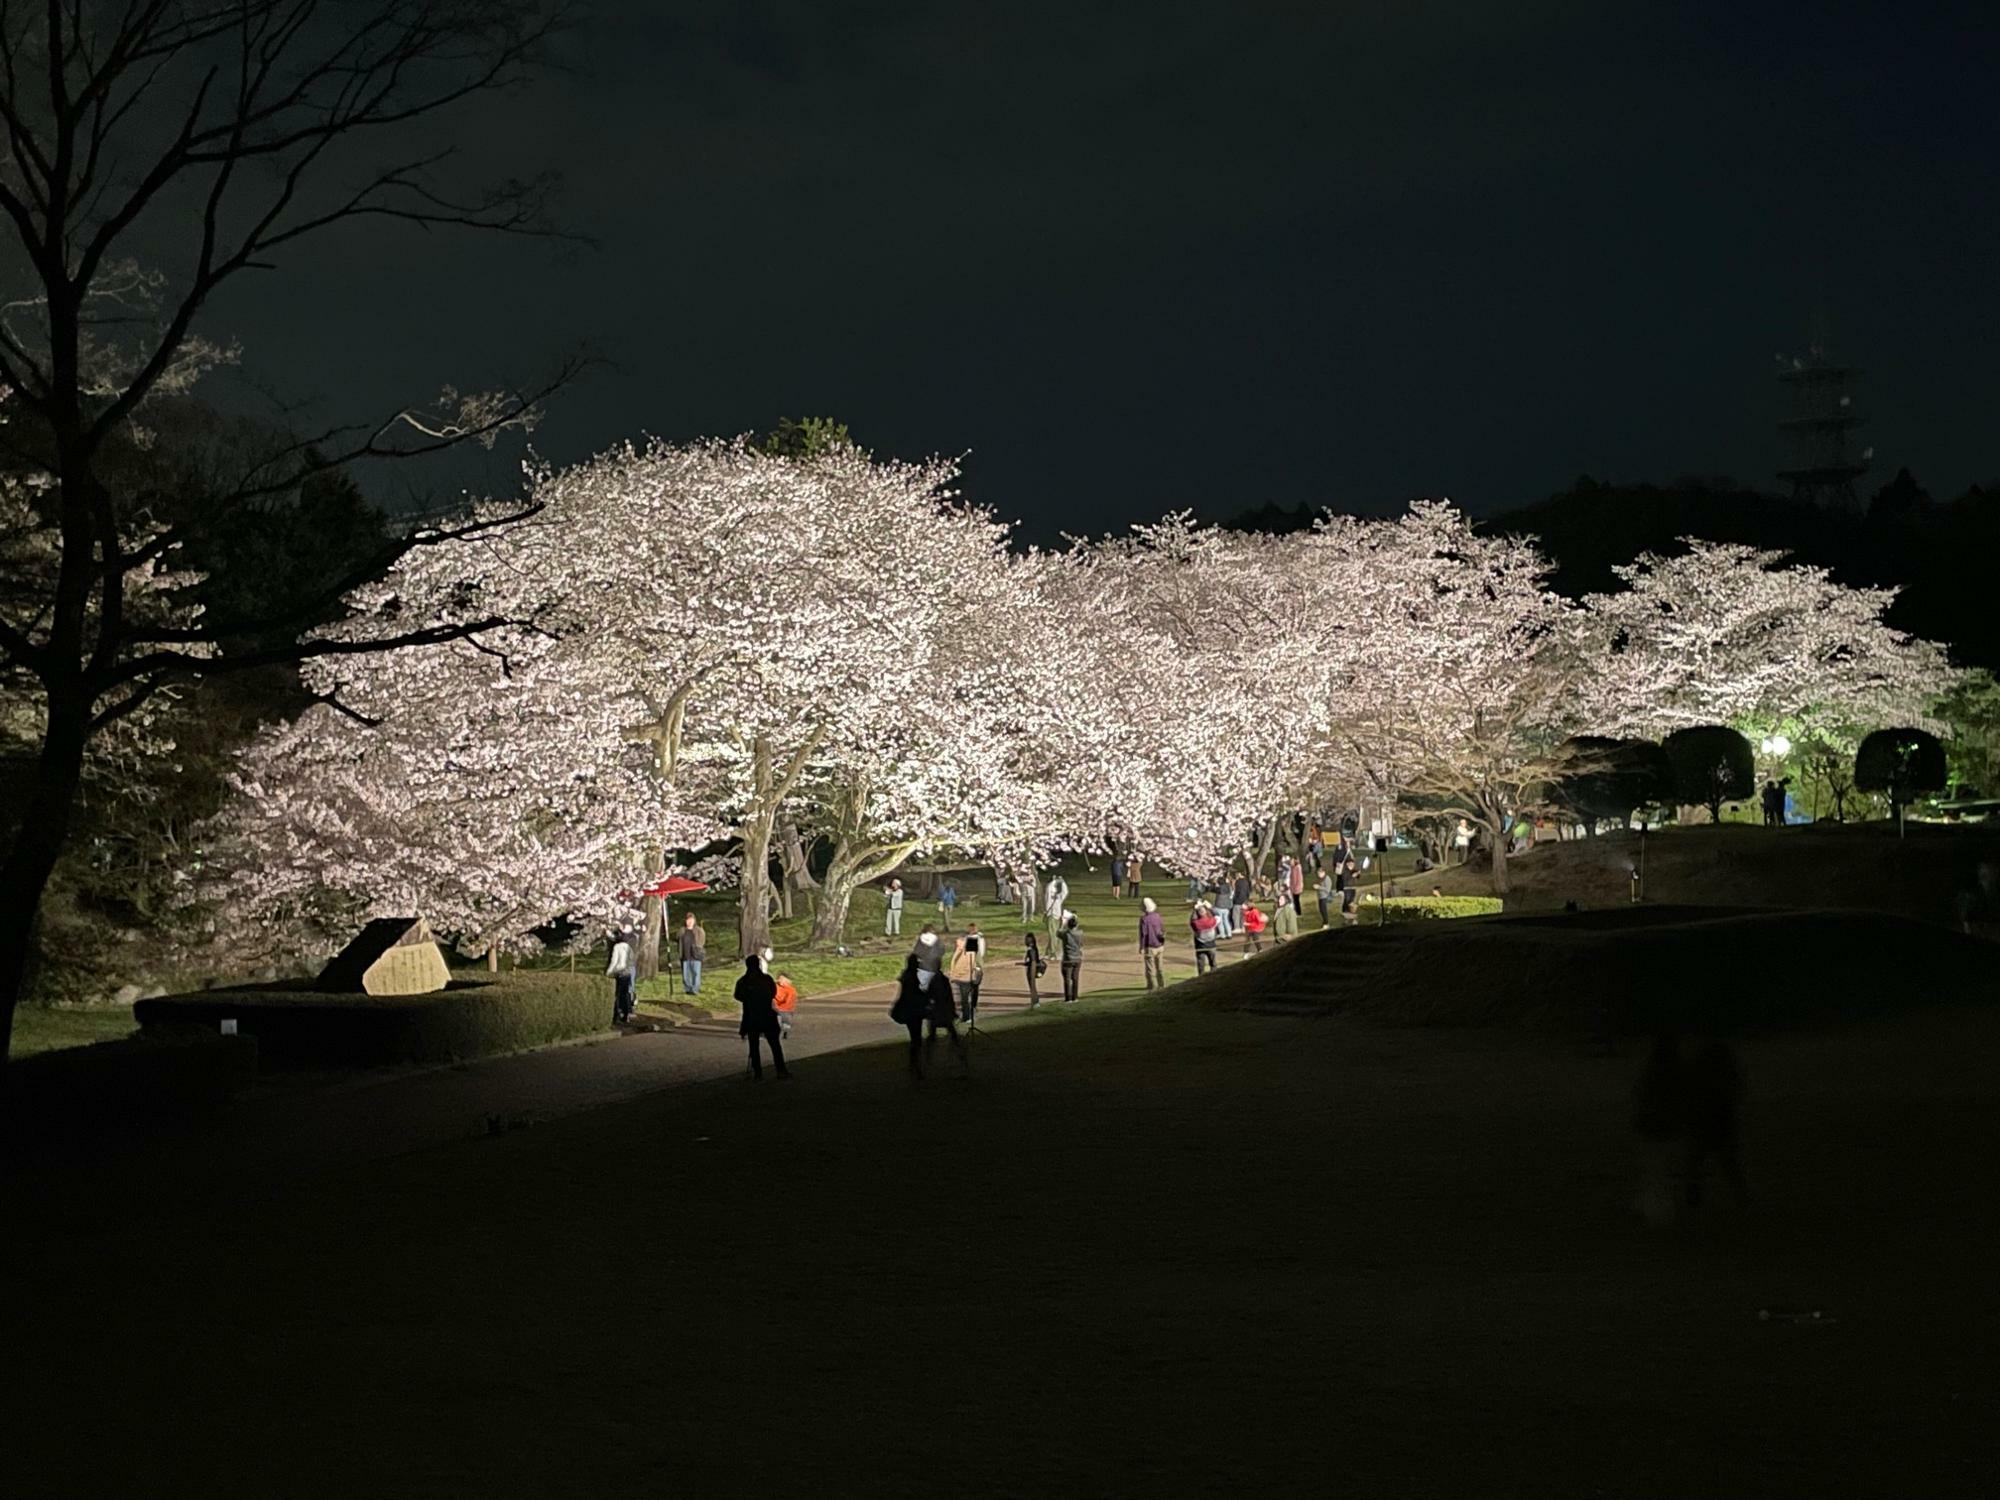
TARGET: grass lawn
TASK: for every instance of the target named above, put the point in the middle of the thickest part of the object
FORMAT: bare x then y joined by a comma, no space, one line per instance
45,1028
1152,1248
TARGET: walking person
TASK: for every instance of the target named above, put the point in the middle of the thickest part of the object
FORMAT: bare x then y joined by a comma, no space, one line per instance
947,904
941,1010
928,950
1253,929
757,993
1072,958
892,910
1034,966
911,1009
1152,944
624,972
1324,891
1204,927
964,972
1117,876
693,950
1134,868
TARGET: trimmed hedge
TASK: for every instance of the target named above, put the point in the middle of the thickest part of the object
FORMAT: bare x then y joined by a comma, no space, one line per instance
167,1075
1425,908
304,1027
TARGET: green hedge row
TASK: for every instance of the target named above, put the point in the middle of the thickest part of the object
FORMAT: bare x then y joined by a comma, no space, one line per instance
303,1027
166,1075
1424,908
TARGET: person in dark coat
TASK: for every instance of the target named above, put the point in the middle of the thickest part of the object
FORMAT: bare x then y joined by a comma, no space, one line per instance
910,1010
1072,958
757,993
1034,966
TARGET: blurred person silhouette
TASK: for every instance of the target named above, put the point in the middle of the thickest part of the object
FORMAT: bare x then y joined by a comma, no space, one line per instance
757,993
624,972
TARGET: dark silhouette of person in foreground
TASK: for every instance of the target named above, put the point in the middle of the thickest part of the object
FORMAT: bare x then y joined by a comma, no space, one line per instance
924,995
1685,1112
757,993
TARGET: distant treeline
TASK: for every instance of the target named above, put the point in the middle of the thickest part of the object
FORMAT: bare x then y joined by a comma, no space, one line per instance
1943,555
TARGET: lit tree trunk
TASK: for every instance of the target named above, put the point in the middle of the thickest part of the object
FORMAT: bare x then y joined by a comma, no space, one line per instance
654,923
770,785
38,841
852,867
792,860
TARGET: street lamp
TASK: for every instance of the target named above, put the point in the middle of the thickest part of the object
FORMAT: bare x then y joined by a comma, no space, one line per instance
1776,746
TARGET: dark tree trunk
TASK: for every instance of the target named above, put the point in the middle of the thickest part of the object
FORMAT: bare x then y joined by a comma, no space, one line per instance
38,842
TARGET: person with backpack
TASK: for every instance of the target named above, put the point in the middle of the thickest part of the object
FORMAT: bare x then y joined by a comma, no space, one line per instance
1205,927
1152,944
1072,958
757,993
624,972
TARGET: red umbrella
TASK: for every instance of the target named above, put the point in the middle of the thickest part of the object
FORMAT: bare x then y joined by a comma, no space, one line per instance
666,888
671,885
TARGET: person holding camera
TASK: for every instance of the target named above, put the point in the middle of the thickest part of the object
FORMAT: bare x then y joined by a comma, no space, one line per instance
1072,958
1205,928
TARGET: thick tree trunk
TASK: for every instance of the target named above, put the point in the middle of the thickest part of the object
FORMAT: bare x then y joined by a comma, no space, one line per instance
753,915
492,960
38,842
836,896
1500,863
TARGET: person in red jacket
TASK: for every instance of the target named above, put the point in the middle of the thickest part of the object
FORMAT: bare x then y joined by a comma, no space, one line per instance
1254,923
784,1003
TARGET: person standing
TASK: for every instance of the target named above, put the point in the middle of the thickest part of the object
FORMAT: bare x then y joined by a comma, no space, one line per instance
1152,944
942,1011
1281,884
786,1000
624,972
1253,928
693,950
1195,890
757,993
1117,876
1054,900
892,910
1072,958
1028,899
1286,921
1348,881
1239,901
1324,890
1034,966
1134,868
1219,909
1205,927
947,904
1295,887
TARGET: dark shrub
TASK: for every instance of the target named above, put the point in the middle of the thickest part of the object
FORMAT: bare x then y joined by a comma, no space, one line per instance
307,1028
1902,764
1712,764
1611,779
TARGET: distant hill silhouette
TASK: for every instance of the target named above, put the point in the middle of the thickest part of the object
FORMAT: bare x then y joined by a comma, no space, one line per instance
1945,557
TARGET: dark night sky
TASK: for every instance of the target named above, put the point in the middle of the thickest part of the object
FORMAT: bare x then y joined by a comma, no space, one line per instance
1138,257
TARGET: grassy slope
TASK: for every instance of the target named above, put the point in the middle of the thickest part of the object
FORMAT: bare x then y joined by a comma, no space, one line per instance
1818,865
1157,1247
43,1028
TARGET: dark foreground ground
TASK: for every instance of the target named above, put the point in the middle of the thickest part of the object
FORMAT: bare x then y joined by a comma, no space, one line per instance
1150,1249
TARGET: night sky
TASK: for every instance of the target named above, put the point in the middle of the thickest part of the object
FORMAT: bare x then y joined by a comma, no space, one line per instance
1133,258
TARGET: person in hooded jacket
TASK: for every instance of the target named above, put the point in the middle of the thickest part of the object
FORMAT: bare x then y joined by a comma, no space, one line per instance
757,993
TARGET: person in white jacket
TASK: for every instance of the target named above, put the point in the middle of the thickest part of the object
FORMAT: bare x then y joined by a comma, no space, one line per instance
624,972
1054,899
892,901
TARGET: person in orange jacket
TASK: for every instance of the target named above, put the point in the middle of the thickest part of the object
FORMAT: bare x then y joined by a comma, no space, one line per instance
1254,924
785,1001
